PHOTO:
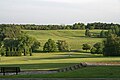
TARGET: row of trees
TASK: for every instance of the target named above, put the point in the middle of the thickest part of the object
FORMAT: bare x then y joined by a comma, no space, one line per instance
52,46
13,42
104,33
96,25
96,49
109,47
114,30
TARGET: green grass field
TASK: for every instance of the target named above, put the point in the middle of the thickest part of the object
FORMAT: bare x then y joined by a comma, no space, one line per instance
75,38
48,61
87,72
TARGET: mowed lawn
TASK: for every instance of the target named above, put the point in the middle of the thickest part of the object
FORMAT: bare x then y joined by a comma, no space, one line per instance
87,72
75,38
47,61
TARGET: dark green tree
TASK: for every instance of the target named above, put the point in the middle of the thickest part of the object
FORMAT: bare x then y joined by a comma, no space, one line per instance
86,47
97,48
93,50
11,31
103,34
62,45
25,43
2,36
87,33
50,46
35,45
112,46
2,49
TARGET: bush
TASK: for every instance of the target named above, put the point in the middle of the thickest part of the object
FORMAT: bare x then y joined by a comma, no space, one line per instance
50,46
103,34
62,45
93,50
86,47
97,48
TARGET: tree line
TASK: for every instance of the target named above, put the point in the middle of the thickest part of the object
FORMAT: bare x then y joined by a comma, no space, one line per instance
14,42
104,33
108,47
81,26
52,46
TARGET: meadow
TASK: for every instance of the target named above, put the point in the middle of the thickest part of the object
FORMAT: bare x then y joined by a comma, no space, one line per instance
75,38
48,61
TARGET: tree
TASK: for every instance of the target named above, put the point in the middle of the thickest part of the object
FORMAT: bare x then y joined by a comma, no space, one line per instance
35,45
15,42
97,48
86,47
11,47
112,46
50,46
103,34
62,45
78,26
109,32
87,33
93,50
114,30
117,30
25,43
11,31
2,49
2,36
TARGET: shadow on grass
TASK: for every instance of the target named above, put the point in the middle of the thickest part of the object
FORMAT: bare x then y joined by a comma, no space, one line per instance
39,66
80,36
80,51
68,56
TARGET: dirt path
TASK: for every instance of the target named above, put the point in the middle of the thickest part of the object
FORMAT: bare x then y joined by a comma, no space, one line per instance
103,63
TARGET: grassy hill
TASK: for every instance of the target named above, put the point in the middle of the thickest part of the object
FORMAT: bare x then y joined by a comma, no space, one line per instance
75,38
48,61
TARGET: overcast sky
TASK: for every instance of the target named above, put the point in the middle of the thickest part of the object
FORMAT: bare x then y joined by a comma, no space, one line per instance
59,11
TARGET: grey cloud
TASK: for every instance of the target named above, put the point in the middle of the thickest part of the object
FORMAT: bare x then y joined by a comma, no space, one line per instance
50,12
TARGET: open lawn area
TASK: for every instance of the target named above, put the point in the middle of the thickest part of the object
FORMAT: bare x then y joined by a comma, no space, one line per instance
48,61
87,72
56,60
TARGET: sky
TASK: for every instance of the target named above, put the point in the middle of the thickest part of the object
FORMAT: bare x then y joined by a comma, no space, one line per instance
59,11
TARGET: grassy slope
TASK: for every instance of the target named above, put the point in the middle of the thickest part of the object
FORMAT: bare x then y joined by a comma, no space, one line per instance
88,72
75,38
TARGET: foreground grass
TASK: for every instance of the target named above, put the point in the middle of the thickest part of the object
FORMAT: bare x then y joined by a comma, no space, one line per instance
47,61
87,72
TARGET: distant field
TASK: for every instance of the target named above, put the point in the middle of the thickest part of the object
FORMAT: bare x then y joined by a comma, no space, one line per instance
75,38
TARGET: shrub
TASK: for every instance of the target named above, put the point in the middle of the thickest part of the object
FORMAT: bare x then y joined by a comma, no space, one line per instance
50,46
